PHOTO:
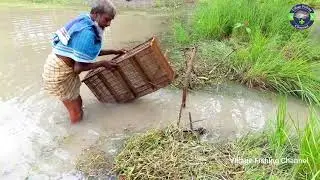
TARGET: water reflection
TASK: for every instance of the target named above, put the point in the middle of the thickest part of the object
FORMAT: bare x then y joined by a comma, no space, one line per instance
34,33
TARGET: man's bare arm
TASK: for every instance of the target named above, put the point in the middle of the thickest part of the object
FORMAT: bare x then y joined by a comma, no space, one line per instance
80,67
110,52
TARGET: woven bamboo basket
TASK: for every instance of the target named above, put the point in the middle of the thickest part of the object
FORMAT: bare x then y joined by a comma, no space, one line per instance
141,71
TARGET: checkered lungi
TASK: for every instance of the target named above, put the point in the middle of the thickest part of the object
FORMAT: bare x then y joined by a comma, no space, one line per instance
60,80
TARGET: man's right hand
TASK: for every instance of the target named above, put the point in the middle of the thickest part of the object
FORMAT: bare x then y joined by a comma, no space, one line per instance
109,65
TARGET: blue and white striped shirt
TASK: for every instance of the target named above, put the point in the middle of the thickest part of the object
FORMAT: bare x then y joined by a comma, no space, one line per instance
79,40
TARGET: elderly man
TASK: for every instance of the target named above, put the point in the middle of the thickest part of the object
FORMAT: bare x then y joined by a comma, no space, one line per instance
75,48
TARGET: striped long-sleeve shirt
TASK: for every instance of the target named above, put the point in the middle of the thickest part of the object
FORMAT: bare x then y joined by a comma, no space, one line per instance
79,40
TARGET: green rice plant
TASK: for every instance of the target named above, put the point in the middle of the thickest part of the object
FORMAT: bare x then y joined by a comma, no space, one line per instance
301,46
217,19
180,34
293,77
309,149
312,3
279,134
263,64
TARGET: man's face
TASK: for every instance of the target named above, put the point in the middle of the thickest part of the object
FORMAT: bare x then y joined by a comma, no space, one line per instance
104,20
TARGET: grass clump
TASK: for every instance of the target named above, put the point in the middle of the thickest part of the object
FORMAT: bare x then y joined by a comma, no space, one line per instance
172,154
266,65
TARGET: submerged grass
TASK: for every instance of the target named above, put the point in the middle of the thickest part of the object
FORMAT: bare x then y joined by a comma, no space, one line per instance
276,153
93,162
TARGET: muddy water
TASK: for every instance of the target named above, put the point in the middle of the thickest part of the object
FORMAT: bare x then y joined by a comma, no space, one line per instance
36,137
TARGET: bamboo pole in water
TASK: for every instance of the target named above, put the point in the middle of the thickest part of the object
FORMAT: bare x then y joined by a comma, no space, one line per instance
190,120
186,82
187,78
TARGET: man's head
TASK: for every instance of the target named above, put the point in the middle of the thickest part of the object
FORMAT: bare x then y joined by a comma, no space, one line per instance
103,12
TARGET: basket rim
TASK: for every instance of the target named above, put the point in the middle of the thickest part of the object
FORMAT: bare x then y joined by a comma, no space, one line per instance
120,58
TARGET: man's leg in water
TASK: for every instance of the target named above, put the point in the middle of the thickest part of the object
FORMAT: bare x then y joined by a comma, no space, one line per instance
74,108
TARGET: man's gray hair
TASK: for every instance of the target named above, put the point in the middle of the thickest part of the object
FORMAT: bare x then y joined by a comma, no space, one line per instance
102,6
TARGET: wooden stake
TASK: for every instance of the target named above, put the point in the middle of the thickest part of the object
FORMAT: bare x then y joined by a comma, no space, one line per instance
190,119
186,83
180,114
187,77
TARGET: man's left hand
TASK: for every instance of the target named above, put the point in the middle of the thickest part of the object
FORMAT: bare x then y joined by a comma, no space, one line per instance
121,52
